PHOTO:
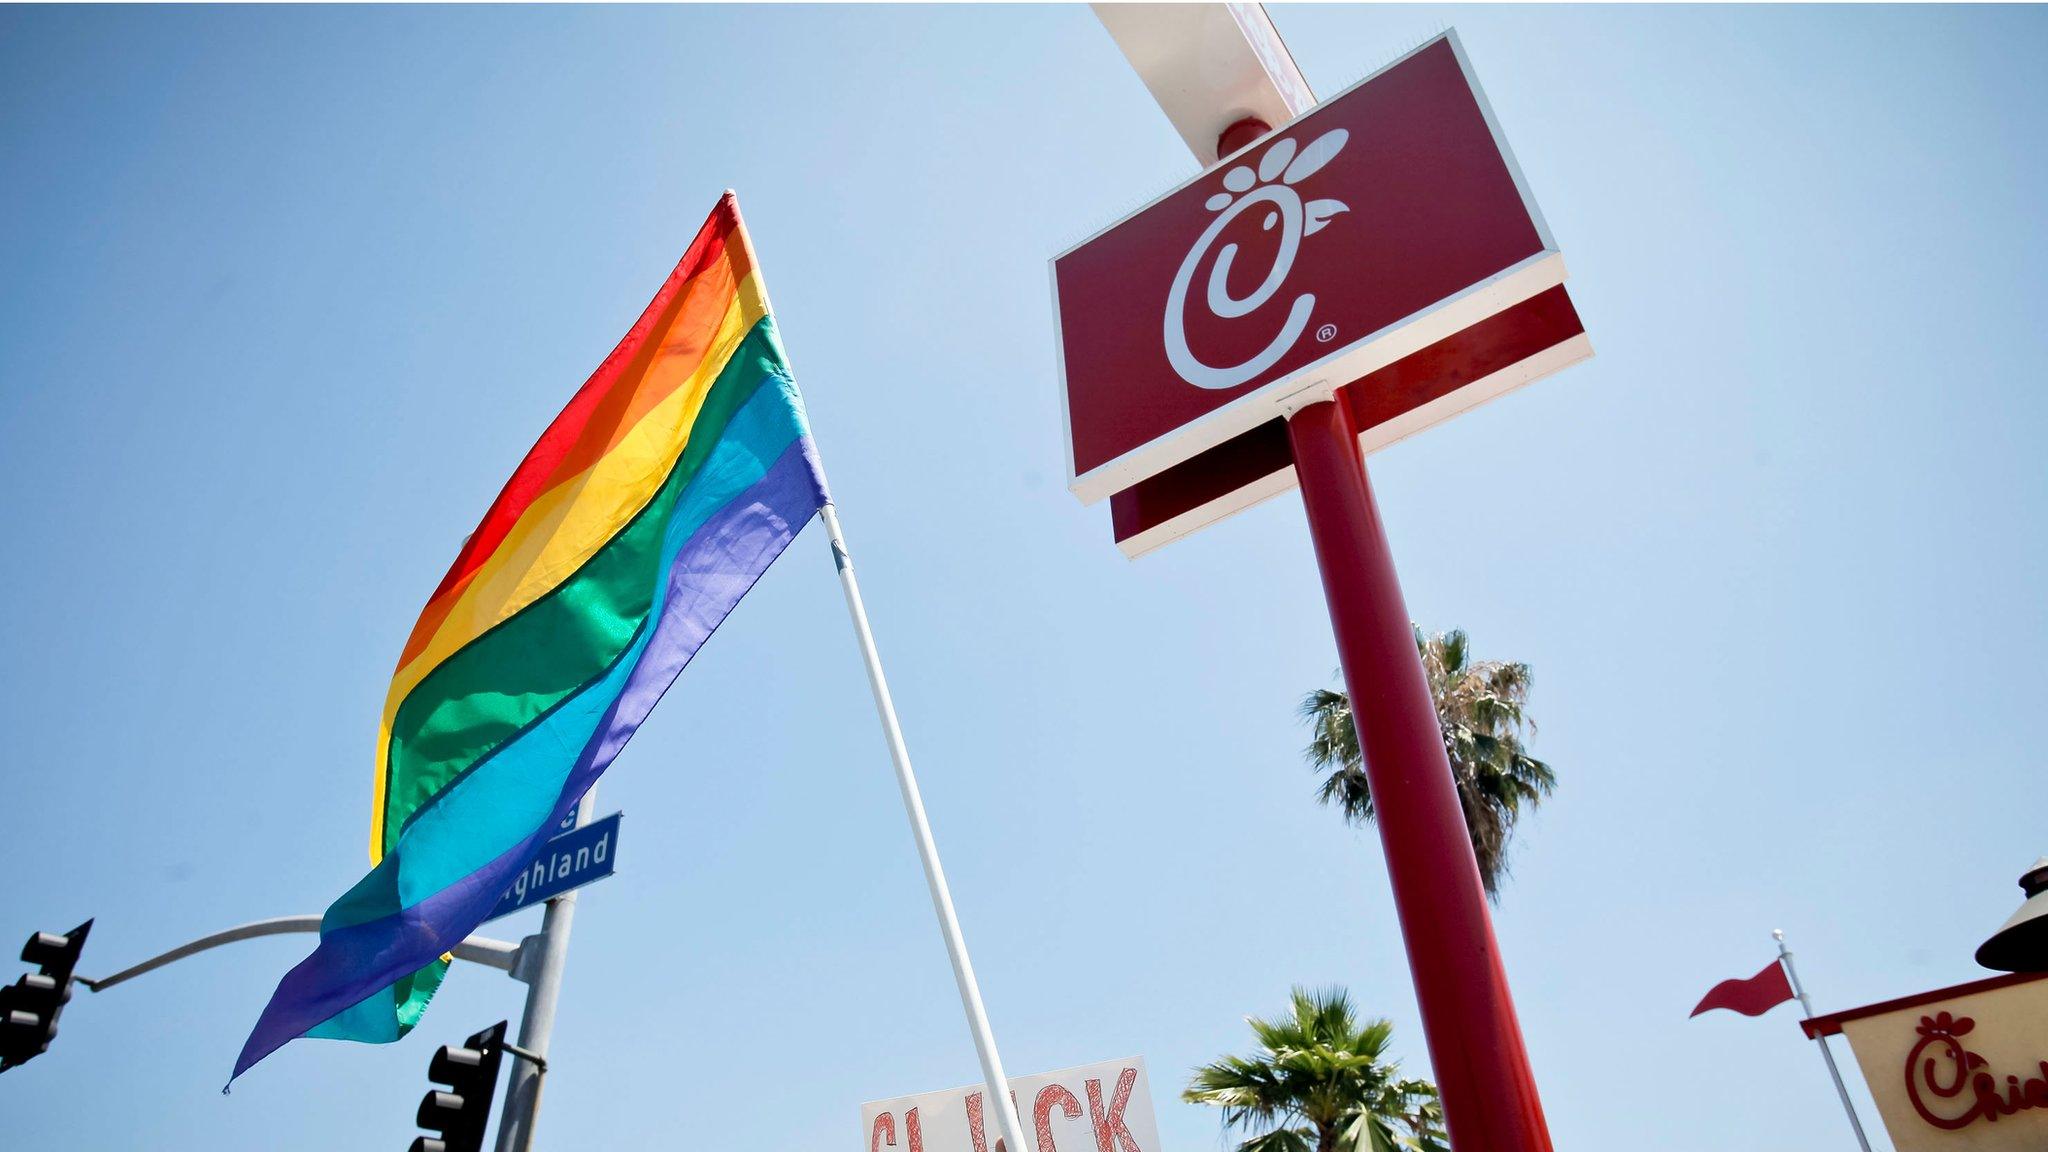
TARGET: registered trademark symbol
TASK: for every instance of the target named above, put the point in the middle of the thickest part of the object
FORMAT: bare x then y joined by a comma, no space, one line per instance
1326,333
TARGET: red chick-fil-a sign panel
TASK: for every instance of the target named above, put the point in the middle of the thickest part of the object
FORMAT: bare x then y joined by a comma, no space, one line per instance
1103,1107
1382,221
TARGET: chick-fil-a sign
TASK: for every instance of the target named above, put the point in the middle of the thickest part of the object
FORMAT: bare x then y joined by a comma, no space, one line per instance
1103,1107
1952,1087
1959,1069
1383,220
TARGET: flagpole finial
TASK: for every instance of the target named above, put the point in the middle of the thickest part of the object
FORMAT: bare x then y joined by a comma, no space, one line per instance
1778,934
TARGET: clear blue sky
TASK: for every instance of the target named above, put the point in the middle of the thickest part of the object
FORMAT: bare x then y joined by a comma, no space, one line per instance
288,292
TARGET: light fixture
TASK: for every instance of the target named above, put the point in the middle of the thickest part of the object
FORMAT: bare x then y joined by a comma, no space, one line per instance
2022,944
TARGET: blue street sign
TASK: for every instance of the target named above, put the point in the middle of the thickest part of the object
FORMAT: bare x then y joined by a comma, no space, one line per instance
570,860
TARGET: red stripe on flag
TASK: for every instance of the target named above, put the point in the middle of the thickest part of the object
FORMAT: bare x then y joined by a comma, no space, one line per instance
1752,997
541,468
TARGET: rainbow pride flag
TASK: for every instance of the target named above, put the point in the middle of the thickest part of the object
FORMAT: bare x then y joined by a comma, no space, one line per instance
677,474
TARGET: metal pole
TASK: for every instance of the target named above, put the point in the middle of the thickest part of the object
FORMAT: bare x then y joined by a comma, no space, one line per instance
1468,1018
927,851
477,949
1835,1074
546,953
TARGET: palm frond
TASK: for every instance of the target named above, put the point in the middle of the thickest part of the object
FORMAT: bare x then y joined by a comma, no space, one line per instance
1281,1140
1482,711
1321,1075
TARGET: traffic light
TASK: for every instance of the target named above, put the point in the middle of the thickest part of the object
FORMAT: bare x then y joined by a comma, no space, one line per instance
471,1071
29,1007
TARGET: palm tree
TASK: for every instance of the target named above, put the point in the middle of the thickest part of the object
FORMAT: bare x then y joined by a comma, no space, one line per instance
1321,1082
1480,708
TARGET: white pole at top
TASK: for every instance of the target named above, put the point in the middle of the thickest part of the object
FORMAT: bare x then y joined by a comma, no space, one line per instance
1799,990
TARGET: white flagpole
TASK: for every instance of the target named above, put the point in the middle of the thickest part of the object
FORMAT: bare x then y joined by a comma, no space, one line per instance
1799,990
913,806
927,851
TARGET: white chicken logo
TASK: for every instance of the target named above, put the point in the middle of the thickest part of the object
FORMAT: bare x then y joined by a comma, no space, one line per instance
1279,169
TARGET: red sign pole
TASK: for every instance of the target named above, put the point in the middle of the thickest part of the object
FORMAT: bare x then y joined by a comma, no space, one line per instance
1468,1017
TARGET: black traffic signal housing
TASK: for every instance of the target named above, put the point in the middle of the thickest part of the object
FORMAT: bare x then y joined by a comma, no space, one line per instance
460,1114
29,1007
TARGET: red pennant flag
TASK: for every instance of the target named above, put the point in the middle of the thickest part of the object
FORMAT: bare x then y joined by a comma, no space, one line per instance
1752,997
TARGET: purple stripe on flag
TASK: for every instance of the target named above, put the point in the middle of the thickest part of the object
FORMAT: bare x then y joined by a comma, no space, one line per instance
711,573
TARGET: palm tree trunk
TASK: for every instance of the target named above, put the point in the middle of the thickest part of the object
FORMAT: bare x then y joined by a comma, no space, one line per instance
1326,1138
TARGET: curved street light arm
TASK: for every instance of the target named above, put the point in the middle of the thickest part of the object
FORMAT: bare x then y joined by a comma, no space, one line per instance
477,949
